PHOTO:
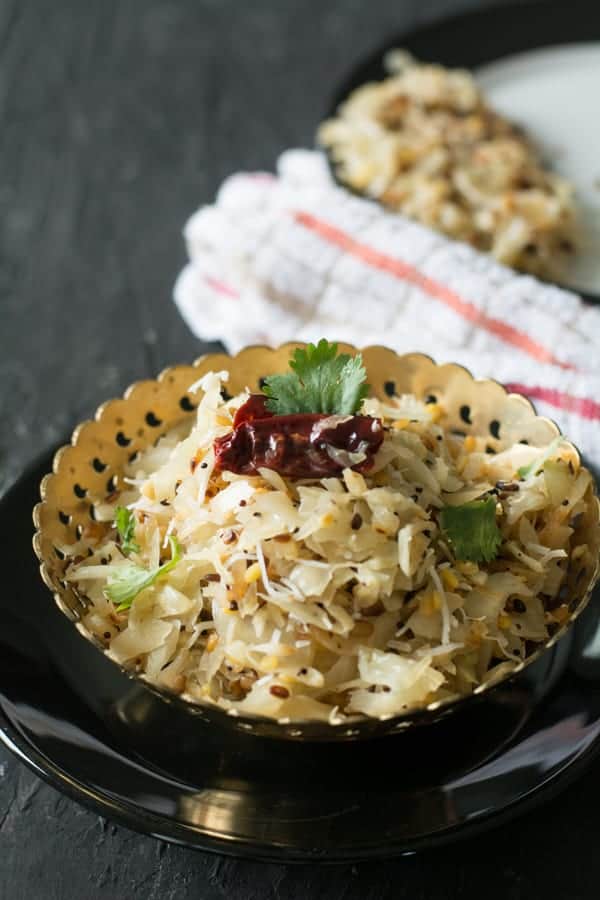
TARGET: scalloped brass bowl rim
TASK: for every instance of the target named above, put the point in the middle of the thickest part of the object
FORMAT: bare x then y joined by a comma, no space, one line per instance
355,726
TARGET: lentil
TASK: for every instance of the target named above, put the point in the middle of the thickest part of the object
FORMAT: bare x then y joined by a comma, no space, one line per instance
277,690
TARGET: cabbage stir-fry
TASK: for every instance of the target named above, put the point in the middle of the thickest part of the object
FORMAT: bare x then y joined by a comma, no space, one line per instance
425,142
413,574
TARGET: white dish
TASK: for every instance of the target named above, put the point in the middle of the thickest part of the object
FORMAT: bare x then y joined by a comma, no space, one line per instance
553,93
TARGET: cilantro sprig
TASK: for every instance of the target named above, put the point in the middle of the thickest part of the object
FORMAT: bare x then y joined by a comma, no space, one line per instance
321,381
127,581
472,530
125,525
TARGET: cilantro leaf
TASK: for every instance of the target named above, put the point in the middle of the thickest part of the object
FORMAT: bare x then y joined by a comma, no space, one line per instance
286,395
127,581
472,530
321,381
526,472
125,525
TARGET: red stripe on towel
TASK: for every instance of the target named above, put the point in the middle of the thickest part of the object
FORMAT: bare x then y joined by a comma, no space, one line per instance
582,406
406,272
220,287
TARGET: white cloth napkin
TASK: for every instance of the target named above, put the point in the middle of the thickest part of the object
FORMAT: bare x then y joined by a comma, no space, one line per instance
294,257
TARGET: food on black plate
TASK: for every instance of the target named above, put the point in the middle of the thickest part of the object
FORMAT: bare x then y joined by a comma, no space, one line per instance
313,552
425,143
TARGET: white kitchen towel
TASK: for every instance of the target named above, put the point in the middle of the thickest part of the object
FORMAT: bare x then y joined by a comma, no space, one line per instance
294,257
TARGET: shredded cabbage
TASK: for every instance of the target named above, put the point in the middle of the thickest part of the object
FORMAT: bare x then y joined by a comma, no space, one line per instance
332,598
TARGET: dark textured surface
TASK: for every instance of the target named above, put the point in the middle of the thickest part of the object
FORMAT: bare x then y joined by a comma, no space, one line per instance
116,121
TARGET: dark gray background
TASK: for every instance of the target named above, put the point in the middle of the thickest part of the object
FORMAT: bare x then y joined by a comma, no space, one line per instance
117,119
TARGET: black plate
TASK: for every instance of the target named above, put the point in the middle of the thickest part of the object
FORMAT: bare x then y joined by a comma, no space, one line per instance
71,715
483,36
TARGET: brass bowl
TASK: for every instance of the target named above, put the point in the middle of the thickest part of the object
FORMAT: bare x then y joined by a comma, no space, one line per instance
90,468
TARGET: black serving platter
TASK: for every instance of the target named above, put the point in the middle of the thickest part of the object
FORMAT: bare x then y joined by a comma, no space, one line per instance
479,37
110,743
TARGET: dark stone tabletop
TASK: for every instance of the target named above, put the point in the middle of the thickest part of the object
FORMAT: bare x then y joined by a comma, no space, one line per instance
117,119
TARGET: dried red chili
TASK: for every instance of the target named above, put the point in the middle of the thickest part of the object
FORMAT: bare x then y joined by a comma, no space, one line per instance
303,445
255,407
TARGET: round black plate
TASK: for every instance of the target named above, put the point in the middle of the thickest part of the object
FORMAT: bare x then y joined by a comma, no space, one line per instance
82,725
476,38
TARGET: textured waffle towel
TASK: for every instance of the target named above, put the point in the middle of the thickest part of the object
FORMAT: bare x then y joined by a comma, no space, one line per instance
293,257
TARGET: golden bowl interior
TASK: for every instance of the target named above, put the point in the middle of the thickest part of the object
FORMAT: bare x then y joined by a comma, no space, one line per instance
90,468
